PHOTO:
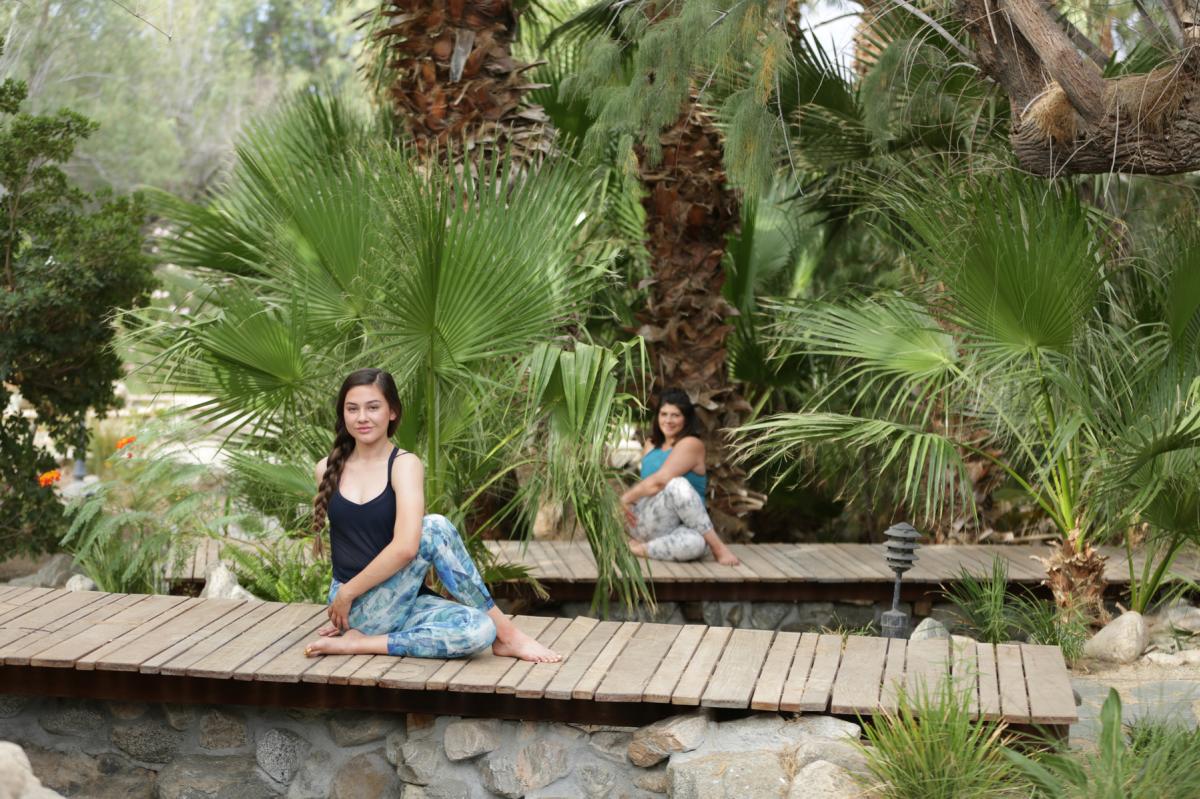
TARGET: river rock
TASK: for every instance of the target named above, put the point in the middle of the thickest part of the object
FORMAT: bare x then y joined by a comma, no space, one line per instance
313,779
653,781
104,776
420,760
16,776
222,729
467,738
1182,617
839,753
148,741
355,729
596,781
655,742
1121,641
279,752
824,780
80,582
67,719
727,775
211,777
531,767
12,705
929,628
53,573
221,583
366,776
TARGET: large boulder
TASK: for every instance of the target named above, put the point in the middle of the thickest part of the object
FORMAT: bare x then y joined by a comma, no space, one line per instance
1121,641
655,742
928,629
728,775
16,776
107,775
514,774
54,573
221,583
824,780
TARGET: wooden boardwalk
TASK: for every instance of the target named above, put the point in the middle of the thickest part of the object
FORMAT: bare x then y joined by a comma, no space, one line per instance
778,572
171,648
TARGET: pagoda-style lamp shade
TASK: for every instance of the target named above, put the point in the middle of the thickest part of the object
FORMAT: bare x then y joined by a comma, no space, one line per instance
900,552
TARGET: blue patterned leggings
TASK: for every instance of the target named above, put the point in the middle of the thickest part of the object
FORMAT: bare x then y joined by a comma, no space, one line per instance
421,625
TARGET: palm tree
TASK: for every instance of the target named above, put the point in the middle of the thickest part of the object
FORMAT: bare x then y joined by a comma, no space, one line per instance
1033,347
330,250
448,73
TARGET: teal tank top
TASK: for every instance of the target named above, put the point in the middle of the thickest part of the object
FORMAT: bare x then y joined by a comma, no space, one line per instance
654,460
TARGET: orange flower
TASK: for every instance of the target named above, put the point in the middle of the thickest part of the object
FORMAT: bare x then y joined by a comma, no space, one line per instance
126,441
49,478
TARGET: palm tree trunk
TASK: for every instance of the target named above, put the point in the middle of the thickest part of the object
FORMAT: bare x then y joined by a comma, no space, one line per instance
690,209
452,82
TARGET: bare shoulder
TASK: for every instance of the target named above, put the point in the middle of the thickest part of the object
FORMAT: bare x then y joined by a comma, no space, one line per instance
407,469
691,448
319,471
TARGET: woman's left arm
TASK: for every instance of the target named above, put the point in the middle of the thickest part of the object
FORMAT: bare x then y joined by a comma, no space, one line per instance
685,456
408,482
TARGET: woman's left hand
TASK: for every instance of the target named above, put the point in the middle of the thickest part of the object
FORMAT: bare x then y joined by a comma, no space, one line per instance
339,610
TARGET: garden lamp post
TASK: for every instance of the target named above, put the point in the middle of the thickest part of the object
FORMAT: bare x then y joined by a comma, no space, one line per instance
900,552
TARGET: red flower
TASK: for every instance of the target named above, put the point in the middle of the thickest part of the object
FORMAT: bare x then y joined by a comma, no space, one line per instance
126,441
49,478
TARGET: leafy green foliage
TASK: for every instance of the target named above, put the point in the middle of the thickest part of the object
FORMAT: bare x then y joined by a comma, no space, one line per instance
330,251
1154,760
153,512
68,261
280,572
931,748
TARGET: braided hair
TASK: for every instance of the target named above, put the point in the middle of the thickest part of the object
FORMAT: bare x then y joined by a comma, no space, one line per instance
343,442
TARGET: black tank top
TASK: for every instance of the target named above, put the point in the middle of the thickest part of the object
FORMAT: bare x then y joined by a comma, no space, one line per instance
357,533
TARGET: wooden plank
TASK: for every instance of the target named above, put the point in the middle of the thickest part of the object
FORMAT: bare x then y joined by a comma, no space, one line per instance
989,685
1014,701
46,608
130,651
715,572
223,660
694,679
154,663
736,674
927,668
964,670
289,663
568,644
860,677
632,670
819,686
824,568
590,681
520,670
562,684
583,561
1051,699
483,671
662,683
19,651
793,687
893,675
410,673
862,566
763,568
769,688
368,673
220,634
777,554
67,653
293,640
742,571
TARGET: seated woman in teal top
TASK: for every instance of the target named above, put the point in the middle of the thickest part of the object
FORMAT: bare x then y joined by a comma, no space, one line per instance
665,510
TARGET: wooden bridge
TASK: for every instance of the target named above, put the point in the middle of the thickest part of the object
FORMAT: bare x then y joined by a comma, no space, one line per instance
768,572
132,647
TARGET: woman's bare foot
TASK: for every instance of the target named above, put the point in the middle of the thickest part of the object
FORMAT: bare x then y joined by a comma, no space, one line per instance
516,644
334,645
725,557
637,547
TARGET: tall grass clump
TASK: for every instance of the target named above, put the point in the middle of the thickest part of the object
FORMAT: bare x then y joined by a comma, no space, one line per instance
931,748
1151,759
982,602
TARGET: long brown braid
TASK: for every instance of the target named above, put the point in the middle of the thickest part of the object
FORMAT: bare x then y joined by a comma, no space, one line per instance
343,444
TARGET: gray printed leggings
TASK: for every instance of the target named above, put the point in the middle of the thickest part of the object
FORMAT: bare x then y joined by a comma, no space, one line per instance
672,523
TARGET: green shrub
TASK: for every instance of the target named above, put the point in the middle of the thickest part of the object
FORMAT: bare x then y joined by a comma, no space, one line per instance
1043,622
281,571
931,748
982,602
1156,759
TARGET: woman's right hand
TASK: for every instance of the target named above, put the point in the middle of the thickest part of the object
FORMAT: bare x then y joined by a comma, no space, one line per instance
630,516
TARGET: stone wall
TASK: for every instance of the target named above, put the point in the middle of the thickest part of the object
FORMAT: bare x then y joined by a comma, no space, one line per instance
110,750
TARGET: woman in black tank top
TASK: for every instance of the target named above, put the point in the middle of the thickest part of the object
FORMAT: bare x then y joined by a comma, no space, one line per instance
382,546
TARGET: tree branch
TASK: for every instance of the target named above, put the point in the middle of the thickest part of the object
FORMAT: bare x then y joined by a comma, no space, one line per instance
932,23
1089,48
1174,22
1079,79
1145,12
